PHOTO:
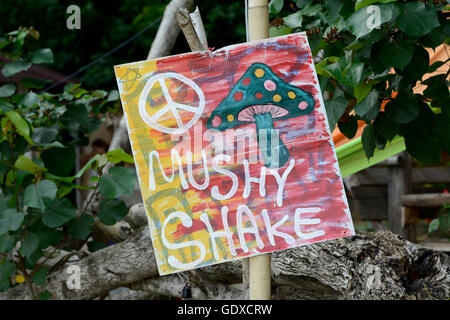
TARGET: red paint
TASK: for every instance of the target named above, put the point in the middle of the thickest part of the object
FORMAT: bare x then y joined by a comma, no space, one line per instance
216,121
238,96
246,81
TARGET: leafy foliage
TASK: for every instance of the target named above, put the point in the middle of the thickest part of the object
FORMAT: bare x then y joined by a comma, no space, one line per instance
106,24
39,136
370,69
442,222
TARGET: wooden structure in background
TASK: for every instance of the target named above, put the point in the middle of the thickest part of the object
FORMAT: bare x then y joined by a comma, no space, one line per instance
393,190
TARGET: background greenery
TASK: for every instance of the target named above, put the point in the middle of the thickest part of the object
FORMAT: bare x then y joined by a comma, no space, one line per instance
107,23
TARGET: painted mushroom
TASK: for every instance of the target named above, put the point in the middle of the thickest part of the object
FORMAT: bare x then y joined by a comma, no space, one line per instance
262,97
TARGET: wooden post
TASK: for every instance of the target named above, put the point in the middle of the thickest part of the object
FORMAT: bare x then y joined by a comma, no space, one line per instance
260,276
399,184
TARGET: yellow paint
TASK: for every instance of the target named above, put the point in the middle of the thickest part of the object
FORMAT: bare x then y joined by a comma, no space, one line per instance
230,117
291,95
277,98
143,139
259,73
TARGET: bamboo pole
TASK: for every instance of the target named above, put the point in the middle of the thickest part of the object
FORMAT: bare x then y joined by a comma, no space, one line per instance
258,19
260,276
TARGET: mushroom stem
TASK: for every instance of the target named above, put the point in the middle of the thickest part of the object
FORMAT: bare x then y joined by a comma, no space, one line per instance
272,148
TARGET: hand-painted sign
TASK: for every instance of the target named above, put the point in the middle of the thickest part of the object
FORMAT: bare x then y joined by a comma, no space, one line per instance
233,152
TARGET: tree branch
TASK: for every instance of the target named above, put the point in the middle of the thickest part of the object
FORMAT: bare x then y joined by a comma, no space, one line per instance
367,266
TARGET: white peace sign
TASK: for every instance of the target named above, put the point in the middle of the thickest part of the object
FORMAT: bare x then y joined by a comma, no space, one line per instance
171,105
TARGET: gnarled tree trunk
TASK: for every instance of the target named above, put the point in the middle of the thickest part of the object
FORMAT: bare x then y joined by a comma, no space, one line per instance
367,266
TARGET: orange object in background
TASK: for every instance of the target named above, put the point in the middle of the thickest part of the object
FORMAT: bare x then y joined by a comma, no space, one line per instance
441,53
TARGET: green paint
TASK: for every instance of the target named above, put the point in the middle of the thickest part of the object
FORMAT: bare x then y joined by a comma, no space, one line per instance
268,134
260,86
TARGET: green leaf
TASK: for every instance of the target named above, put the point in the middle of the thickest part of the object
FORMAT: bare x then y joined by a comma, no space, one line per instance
75,116
362,21
20,124
26,164
303,3
15,67
59,161
7,242
419,140
311,10
346,74
368,141
419,64
281,31
433,226
30,99
10,220
81,228
384,128
371,101
112,211
5,106
42,56
118,155
335,108
88,165
5,201
58,212
29,245
441,130
434,38
44,135
31,261
349,127
102,160
7,269
396,55
361,90
334,7
40,276
48,236
294,20
416,19
364,3
45,295
118,182
444,222
95,246
437,90
403,109
90,125
33,83
36,193
275,6
113,95
7,90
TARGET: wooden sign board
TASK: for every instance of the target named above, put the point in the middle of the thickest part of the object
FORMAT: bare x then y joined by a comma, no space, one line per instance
233,152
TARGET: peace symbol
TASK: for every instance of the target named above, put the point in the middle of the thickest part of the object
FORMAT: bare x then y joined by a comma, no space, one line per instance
172,106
